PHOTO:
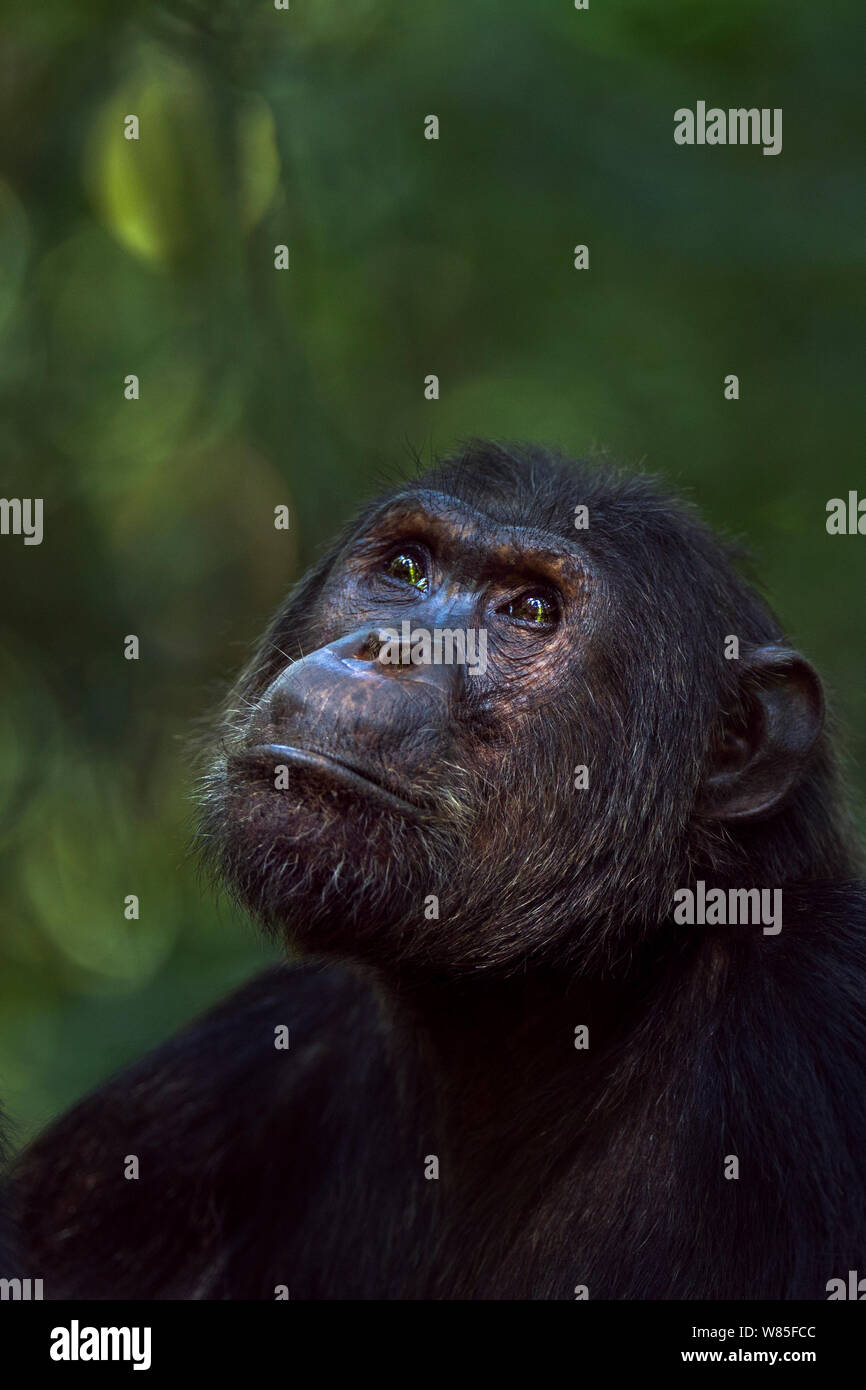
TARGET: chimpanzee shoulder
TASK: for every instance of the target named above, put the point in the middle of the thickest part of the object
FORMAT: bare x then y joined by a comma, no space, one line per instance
236,1139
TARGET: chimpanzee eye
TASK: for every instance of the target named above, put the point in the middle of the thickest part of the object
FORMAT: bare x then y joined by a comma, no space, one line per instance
532,607
407,567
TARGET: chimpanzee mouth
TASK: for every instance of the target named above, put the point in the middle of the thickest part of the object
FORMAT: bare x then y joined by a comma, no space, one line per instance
332,767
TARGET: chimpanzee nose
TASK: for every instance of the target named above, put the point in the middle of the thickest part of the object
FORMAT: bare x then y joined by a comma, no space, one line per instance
399,652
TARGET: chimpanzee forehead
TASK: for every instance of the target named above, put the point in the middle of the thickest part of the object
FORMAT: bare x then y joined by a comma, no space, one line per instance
451,518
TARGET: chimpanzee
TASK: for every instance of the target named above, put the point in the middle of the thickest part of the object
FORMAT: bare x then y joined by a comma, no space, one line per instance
509,1064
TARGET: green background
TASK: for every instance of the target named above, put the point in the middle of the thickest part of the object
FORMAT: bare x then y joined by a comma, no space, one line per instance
305,387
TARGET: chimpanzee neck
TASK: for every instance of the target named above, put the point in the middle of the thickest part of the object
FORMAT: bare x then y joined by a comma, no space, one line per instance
502,1062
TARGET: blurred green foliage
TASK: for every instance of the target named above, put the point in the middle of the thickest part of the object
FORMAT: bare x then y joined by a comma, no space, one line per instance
305,387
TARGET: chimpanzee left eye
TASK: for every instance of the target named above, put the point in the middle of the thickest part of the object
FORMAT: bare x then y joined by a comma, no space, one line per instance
407,567
532,607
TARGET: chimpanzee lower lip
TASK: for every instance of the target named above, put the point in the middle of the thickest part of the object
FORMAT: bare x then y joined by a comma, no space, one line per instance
312,758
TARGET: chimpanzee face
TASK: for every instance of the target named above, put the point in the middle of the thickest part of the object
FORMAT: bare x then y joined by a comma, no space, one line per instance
368,774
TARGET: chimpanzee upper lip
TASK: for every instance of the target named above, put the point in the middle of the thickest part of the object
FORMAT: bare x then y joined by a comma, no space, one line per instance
314,758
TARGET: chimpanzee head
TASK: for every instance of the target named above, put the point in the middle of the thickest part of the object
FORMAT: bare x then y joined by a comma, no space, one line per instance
627,718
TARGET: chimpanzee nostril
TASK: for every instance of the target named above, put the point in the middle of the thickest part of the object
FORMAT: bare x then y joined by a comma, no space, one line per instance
362,645
398,652
369,646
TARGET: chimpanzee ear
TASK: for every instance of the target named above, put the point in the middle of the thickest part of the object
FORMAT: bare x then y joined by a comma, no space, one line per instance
759,759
